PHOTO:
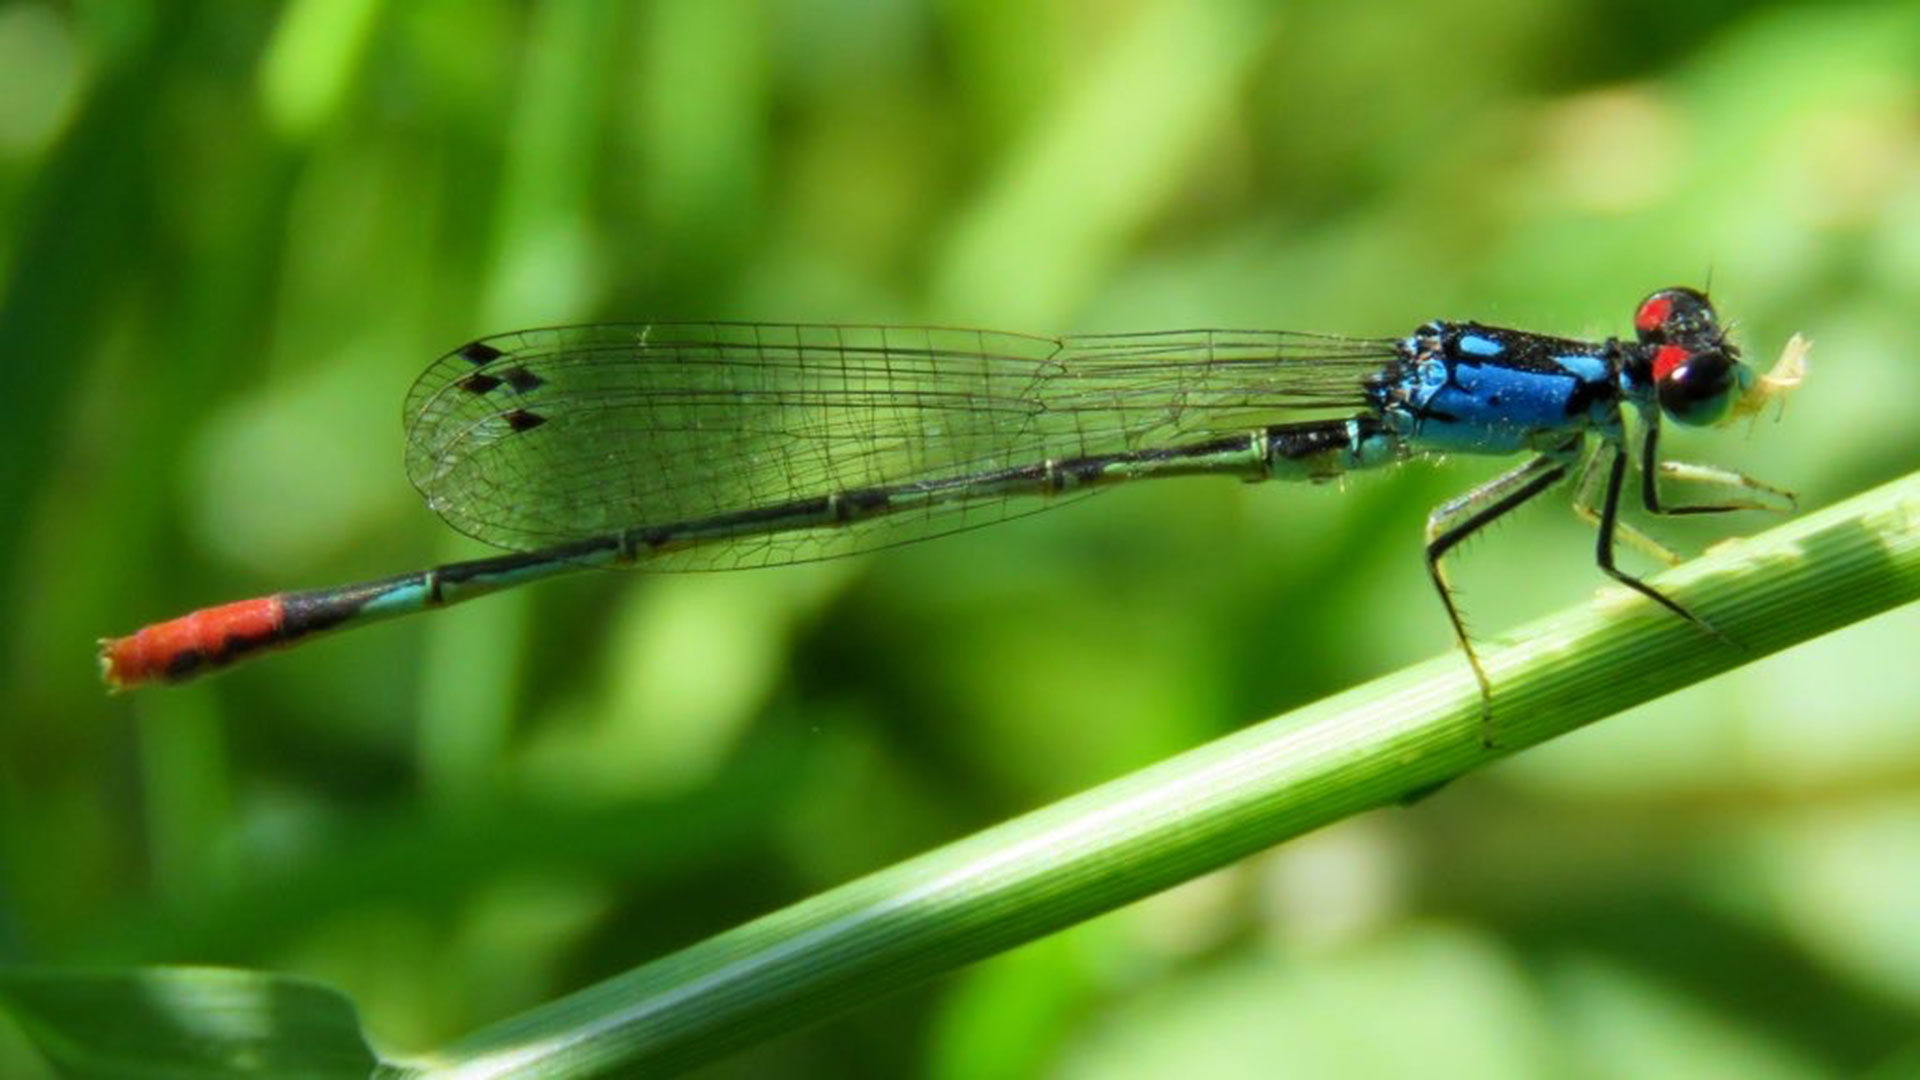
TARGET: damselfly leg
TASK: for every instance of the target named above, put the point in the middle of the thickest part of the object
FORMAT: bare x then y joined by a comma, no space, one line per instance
1458,518
1652,468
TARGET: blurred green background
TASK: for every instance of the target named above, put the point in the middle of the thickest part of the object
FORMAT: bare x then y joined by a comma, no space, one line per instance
230,235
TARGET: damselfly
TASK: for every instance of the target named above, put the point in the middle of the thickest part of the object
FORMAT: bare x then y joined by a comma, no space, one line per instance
727,445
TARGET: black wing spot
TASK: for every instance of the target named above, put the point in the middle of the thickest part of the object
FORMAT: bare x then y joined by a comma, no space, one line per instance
522,420
479,352
478,383
522,380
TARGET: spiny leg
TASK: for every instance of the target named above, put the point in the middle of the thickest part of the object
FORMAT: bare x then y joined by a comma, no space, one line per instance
1692,473
1651,467
1603,552
1583,506
1456,519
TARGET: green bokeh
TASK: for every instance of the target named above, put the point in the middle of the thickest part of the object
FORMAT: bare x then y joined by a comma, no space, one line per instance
231,234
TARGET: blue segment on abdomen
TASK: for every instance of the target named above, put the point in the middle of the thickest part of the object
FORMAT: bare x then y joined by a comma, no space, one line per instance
402,599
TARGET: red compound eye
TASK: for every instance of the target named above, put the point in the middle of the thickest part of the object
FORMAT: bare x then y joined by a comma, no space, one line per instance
1678,314
1695,386
1667,358
1653,314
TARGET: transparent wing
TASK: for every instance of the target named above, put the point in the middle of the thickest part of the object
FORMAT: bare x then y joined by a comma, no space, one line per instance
534,439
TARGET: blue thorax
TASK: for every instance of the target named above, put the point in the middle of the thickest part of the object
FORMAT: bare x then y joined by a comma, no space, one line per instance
1472,389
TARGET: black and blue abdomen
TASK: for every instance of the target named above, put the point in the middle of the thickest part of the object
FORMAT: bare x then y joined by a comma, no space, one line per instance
1464,388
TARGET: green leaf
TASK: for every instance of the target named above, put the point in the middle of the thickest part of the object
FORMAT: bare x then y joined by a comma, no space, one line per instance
187,1024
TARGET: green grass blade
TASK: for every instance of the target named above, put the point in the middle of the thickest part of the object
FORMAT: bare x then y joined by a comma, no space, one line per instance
1376,744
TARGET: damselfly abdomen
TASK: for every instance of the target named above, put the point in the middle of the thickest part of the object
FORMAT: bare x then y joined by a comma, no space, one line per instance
728,445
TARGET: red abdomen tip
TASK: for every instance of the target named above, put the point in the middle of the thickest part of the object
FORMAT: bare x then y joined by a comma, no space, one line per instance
178,649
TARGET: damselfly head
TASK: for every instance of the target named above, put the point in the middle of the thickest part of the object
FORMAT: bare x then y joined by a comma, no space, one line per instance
1696,371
